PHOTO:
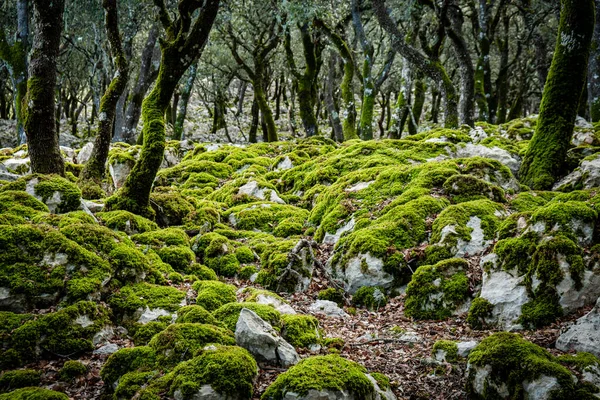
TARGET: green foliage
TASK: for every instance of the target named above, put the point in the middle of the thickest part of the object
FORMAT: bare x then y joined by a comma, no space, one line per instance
332,294
480,309
33,394
72,369
370,297
229,313
214,294
449,348
301,330
11,380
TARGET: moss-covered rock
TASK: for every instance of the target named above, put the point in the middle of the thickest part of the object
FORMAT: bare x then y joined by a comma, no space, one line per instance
126,222
332,294
280,219
195,314
445,350
438,291
505,365
179,342
20,378
370,297
322,373
214,294
127,360
33,394
71,370
144,302
301,330
229,313
59,194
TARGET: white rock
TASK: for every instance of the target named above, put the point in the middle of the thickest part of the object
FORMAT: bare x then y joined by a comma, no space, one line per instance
327,308
572,299
323,395
355,275
482,379
478,134
148,314
119,173
93,207
381,394
359,186
83,320
17,164
284,164
465,348
541,388
477,244
508,294
282,307
85,153
104,335
206,392
252,189
108,348
591,374
334,238
584,335
466,150
262,341
588,174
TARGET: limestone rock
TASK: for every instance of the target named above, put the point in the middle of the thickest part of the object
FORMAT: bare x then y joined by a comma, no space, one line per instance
85,153
253,190
262,341
465,150
119,173
327,308
279,305
330,238
584,335
587,176
364,270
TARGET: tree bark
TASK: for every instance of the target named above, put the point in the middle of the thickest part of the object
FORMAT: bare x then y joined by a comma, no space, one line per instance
40,126
93,172
544,161
594,71
330,104
182,106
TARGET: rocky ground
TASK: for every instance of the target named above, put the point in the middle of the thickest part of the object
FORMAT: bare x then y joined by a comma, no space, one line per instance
378,270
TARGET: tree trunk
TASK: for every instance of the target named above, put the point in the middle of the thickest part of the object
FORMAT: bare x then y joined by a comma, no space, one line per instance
241,96
254,125
594,71
183,45
420,90
330,104
93,172
40,126
265,110
126,133
186,93
545,158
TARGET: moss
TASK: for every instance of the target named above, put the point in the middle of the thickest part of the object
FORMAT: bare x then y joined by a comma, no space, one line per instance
126,222
468,187
33,394
202,272
529,201
132,383
580,360
45,186
514,360
127,360
21,204
247,272
11,380
480,310
59,333
214,294
195,314
229,370
332,294
329,372
448,347
300,330
334,343
72,369
171,208
244,254
370,297
543,310
229,313
436,291
179,258
143,333
226,265
129,299
179,342
382,381
279,219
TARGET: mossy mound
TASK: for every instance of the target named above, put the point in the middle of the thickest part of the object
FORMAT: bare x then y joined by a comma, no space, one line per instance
19,207
370,297
446,350
437,291
71,370
67,331
279,219
332,373
179,342
301,330
214,294
195,314
127,222
20,378
124,361
58,193
131,301
33,394
229,314
506,365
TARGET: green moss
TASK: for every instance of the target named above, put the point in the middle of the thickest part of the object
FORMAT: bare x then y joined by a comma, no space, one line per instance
247,272
436,291
514,360
163,237
214,294
370,297
20,204
58,333
171,208
132,383
279,219
126,222
126,360
179,342
529,201
244,254
448,347
229,370
300,330
382,381
45,186
143,333
11,380
72,369
33,394
329,372
480,310
543,310
334,343
195,314
129,299
229,313
581,360
202,272
178,257
468,187
332,294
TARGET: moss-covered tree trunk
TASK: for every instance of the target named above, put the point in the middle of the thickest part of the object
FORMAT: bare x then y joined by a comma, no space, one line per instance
418,103
93,172
254,111
39,117
333,111
544,161
265,110
594,71
185,40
